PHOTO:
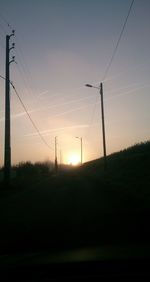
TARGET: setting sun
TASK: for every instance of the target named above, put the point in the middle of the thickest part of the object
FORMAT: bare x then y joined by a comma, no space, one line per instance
74,159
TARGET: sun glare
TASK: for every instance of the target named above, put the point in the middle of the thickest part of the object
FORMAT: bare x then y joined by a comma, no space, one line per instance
74,159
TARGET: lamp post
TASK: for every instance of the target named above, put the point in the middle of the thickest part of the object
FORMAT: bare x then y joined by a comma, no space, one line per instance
56,163
81,148
103,122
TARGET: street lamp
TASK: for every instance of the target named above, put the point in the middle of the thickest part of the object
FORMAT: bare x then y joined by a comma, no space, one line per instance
100,88
56,163
81,147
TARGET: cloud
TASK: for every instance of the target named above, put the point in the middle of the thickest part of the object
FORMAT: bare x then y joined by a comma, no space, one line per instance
21,114
16,116
42,93
132,91
49,131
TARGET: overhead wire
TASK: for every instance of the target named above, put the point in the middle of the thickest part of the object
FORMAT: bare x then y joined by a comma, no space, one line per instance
118,41
103,78
2,36
21,67
25,72
29,116
5,21
27,77
112,57
21,70
31,120
26,80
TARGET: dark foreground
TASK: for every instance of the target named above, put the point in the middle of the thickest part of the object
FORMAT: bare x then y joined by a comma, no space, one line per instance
54,216
82,209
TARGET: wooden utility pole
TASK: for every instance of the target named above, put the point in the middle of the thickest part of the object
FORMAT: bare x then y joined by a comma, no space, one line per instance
81,151
60,161
103,124
103,120
7,150
56,162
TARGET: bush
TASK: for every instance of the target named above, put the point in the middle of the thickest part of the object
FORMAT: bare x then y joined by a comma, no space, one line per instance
28,169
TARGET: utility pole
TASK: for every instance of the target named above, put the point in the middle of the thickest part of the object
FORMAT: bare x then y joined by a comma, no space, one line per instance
81,152
7,152
103,124
56,162
60,155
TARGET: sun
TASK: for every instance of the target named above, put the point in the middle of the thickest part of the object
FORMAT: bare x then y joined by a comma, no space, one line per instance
73,159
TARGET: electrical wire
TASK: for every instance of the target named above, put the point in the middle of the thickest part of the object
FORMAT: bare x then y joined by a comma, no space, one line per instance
6,22
25,71
118,41
23,105
1,37
104,76
31,120
33,123
2,77
112,58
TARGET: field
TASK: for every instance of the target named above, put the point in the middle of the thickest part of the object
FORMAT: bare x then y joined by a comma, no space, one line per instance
83,207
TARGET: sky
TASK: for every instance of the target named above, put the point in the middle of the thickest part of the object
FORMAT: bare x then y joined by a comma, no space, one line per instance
60,45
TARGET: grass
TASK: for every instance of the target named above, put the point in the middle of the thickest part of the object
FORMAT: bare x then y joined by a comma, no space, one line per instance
83,207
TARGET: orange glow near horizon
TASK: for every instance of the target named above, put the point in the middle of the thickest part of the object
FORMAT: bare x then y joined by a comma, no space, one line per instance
74,159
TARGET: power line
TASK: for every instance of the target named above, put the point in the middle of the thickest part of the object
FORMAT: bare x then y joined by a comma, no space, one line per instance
25,71
33,123
22,71
2,77
112,57
118,41
1,37
31,120
6,22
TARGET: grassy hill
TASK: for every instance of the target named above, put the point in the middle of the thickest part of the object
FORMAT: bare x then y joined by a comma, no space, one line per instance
134,158
83,207
128,169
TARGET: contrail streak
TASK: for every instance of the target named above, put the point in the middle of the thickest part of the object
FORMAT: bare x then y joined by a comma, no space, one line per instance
49,131
133,91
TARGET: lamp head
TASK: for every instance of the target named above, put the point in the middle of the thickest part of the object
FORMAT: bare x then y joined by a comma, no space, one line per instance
88,85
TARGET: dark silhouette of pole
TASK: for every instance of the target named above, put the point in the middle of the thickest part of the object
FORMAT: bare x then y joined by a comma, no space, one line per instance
60,161
81,152
56,162
103,124
7,152
103,120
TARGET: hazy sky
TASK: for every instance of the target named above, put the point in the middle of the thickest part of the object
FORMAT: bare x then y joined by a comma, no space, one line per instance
60,46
